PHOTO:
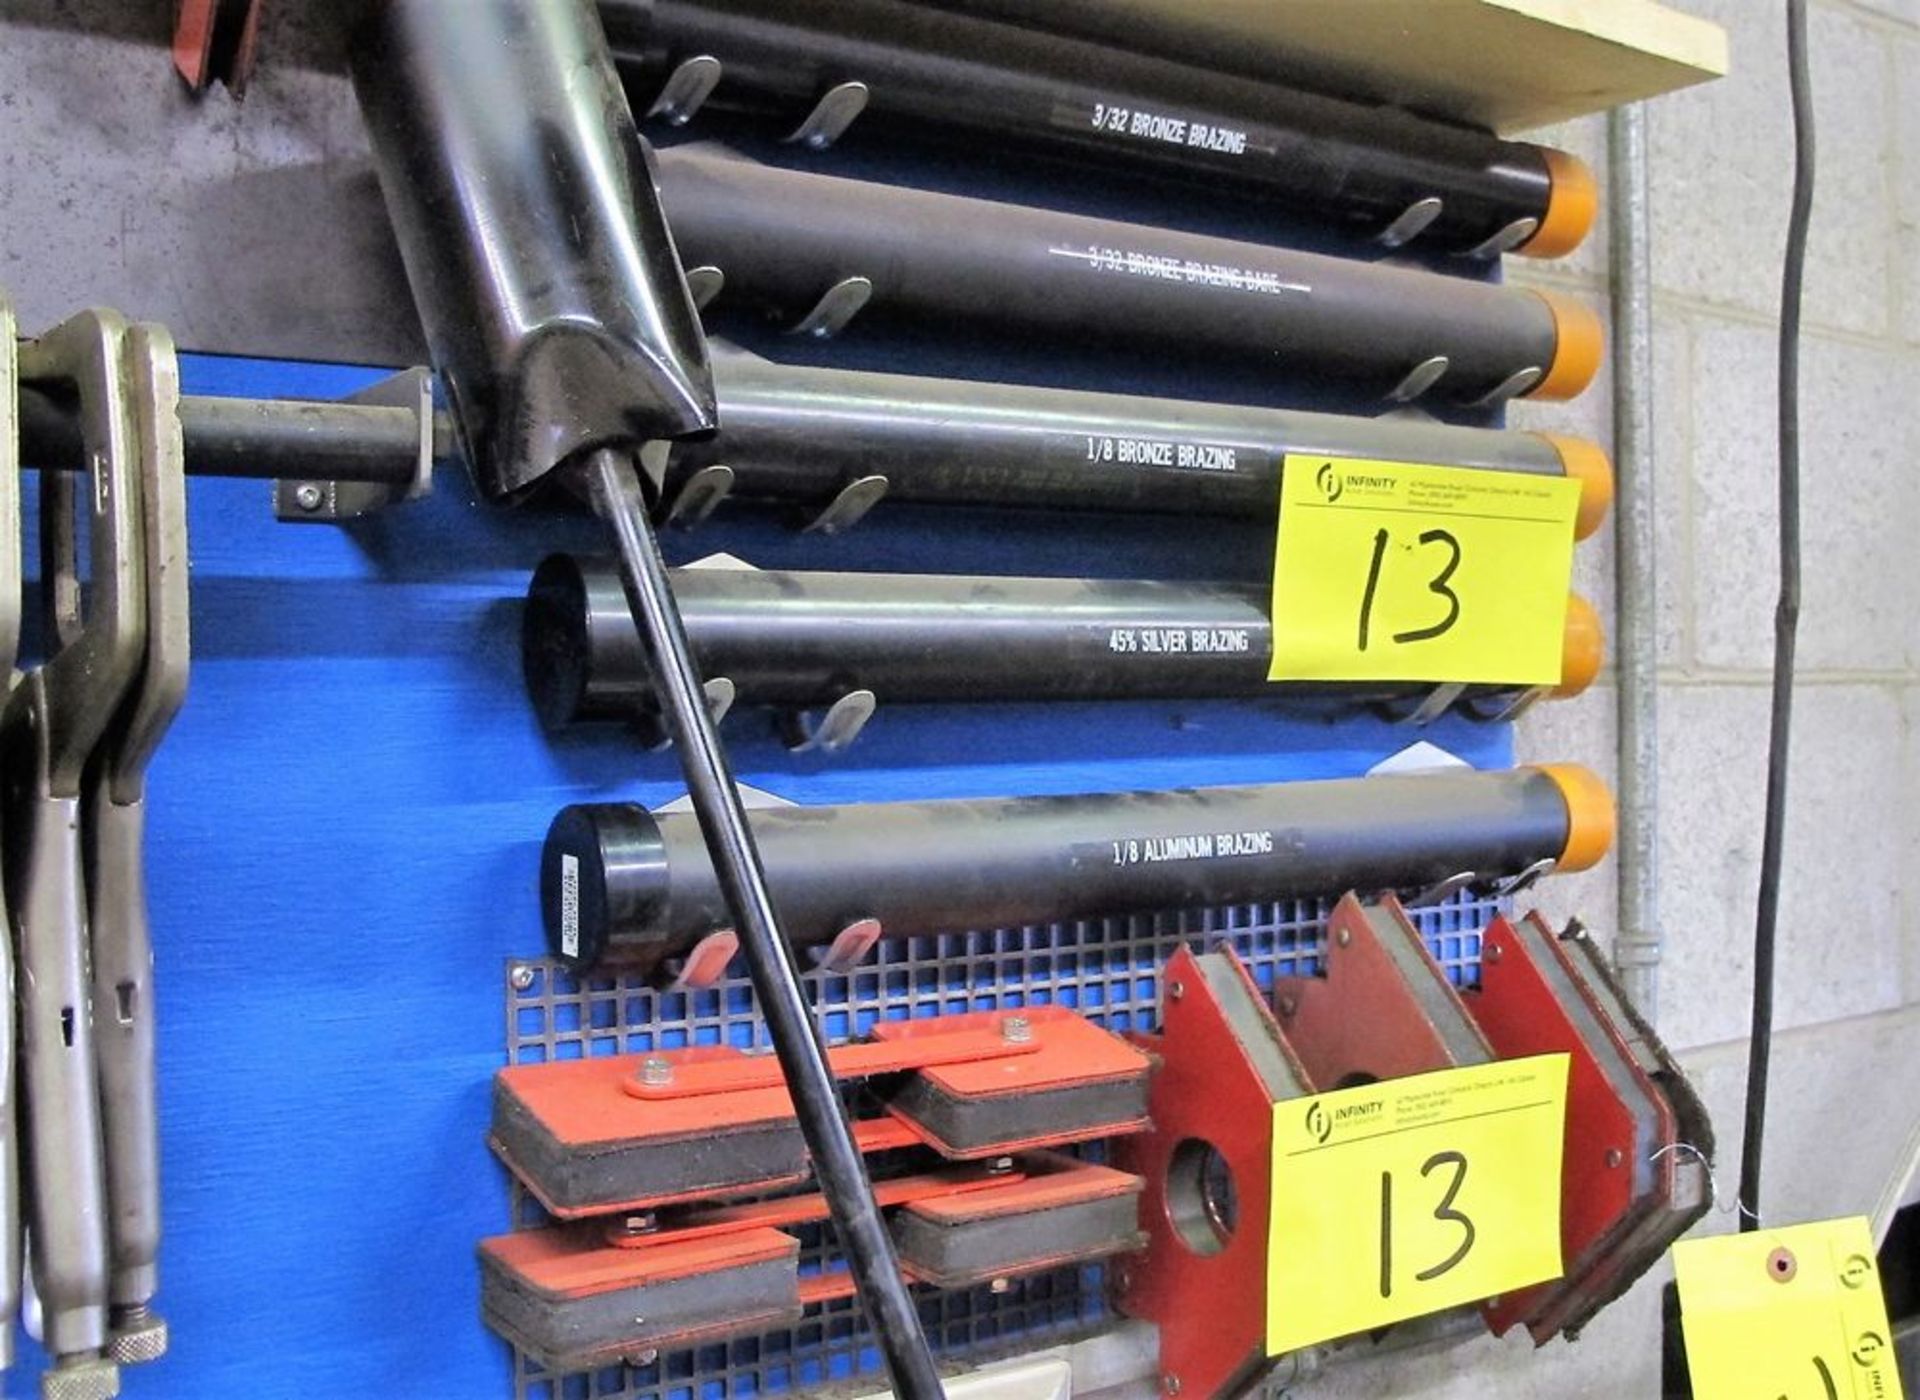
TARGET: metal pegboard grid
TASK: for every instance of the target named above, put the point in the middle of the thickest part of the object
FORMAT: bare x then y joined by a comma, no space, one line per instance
1108,969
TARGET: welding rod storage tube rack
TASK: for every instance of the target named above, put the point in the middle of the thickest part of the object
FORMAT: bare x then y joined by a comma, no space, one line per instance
565,334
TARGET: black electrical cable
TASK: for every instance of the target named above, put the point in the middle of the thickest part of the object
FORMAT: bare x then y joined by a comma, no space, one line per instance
1786,618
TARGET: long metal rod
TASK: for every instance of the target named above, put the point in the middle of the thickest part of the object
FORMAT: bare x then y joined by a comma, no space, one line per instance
613,483
1637,948
256,438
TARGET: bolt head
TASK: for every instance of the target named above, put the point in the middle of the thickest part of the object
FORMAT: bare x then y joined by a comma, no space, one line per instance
1343,937
656,1070
1001,1285
308,495
1615,1156
522,977
1176,989
644,1223
644,1358
1170,1384
1016,1030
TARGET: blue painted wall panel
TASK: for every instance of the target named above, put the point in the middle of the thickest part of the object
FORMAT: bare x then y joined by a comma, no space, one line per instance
344,839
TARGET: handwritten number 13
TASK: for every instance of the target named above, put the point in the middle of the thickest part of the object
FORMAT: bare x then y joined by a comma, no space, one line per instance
1437,586
1443,1211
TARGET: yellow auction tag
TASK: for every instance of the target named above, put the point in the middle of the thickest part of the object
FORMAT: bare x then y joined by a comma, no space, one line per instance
1400,1198
1796,1314
1387,571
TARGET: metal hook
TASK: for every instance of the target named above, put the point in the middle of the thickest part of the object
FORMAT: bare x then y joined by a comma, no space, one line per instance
1420,378
1525,880
705,964
686,90
839,727
704,284
848,508
1523,702
1512,386
1411,223
1437,703
849,948
1505,241
701,495
840,304
1439,890
831,116
652,729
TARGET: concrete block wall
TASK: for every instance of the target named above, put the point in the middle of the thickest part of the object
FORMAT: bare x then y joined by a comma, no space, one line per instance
1846,1101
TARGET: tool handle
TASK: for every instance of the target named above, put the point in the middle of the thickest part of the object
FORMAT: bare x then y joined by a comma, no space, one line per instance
64,1192
122,977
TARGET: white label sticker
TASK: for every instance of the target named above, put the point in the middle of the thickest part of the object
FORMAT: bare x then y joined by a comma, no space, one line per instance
1163,452
570,906
1206,845
1164,128
1162,268
1180,641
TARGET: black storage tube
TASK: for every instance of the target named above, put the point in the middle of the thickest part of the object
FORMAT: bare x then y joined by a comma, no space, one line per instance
798,640
785,238
1011,88
798,434
625,886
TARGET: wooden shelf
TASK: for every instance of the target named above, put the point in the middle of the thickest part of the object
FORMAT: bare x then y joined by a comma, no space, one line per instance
1507,64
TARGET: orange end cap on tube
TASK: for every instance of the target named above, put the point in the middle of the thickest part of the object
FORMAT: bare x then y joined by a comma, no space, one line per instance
1586,462
1583,649
1590,815
1573,201
1578,344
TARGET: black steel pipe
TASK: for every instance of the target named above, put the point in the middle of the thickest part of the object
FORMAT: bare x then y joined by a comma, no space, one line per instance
1008,87
785,238
797,434
801,640
254,438
560,319
625,886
